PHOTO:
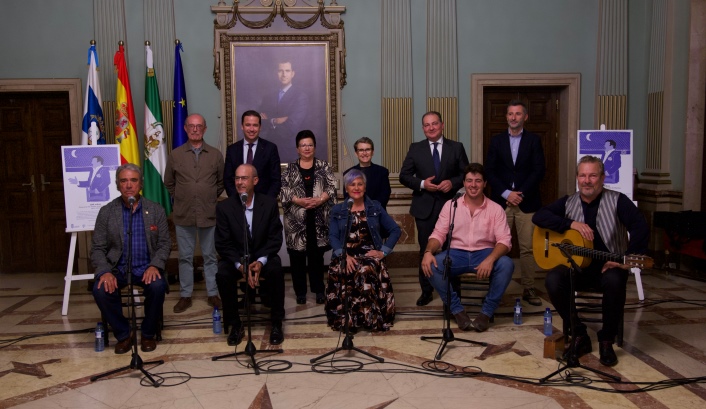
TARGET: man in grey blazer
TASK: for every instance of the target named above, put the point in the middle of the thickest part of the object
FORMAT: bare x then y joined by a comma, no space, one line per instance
150,250
433,169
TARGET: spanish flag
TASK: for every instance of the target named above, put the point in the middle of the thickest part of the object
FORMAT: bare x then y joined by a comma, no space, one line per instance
125,133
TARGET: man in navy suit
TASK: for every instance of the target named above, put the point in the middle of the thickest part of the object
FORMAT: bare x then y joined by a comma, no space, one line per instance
515,167
611,162
261,214
433,169
378,177
265,158
98,183
285,111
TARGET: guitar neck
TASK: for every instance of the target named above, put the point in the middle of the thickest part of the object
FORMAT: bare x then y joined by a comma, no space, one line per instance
594,254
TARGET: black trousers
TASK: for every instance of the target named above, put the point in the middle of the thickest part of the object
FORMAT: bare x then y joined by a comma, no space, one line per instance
227,280
298,260
612,284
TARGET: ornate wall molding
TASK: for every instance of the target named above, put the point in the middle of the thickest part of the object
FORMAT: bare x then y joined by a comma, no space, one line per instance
442,63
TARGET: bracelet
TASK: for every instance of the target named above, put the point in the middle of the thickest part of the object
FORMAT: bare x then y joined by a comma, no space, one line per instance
429,251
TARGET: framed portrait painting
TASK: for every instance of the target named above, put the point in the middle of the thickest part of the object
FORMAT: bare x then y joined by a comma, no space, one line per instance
291,81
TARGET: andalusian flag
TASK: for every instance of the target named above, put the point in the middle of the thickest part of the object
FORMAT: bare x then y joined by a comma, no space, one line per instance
93,128
180,110
155,141
125,133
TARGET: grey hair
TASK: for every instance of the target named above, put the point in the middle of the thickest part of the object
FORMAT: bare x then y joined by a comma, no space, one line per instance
127,166
352,175
590,159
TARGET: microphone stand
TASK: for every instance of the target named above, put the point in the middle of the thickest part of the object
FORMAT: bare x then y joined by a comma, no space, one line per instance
572,360
347,344
136,361
250,349
447,334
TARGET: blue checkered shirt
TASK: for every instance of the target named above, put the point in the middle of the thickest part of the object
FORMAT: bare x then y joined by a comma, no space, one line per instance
140,251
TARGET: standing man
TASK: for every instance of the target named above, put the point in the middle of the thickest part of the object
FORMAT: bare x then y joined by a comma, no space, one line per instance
605,217
434,170
479,242
285,110
256,151
194,178
378,177
150,250
515,167
611,162
261,214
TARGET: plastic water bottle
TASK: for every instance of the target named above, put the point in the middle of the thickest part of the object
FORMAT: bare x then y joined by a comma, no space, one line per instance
216,321
548,322
100,341
517,318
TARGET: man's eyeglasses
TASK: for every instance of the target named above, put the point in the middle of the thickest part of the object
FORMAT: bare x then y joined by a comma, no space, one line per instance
191,127
366,150
243,178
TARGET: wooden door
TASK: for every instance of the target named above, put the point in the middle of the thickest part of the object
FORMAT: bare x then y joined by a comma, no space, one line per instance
33,126
543,106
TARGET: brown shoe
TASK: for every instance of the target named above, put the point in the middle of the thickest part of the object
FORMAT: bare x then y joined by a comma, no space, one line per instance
463,321
124,346
530,295
215,301
481,323
148,344
183,305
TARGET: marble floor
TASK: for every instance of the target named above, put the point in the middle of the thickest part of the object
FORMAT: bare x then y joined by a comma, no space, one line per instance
47,360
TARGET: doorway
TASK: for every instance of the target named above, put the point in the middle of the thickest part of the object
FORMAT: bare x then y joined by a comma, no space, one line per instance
33,127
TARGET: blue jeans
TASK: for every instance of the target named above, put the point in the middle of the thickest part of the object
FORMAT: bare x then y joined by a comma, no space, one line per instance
463,261
112,309
186,241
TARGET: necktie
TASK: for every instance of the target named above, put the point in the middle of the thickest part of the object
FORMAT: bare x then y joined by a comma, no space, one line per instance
249,160
437,160
281,94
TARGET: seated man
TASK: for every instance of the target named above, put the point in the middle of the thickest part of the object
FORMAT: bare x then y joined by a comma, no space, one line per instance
150,250
479,242
265,239
604,217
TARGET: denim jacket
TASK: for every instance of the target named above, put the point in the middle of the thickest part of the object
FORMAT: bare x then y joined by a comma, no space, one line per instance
377,218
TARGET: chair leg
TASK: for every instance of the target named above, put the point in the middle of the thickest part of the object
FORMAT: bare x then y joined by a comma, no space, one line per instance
638,282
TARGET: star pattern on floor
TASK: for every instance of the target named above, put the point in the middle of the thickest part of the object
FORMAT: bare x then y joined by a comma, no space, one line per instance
30,369
494,350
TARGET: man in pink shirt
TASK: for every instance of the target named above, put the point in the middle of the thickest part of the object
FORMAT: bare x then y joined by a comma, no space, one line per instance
479,242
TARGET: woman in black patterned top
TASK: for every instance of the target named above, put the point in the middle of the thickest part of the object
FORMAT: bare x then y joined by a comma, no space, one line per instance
308,192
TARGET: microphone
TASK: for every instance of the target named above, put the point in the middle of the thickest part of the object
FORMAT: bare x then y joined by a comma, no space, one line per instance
131,200
459,194
243,198
349,204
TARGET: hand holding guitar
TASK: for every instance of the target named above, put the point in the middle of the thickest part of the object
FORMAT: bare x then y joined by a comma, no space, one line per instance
584,229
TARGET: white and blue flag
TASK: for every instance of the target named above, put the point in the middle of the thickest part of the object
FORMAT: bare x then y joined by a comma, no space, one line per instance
93,127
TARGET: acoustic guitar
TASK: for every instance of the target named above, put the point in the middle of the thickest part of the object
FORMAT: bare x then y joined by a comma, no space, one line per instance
547,246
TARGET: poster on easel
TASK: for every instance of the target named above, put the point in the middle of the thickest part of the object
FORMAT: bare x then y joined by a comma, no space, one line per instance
615,149
89,182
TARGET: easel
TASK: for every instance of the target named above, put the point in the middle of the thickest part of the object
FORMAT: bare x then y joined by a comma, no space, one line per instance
70,277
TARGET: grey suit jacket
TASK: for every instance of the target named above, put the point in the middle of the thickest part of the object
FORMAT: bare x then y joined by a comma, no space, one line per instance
108,235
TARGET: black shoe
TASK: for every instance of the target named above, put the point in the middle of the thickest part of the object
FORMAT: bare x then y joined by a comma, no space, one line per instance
320,298
236,334
607,355
276,335
582,346
301,300
424,299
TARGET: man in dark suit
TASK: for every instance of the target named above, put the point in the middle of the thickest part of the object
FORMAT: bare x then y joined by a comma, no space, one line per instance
259,152
515,167
98,183
285,110
261,214
378,177
151,248
433,169
612,162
